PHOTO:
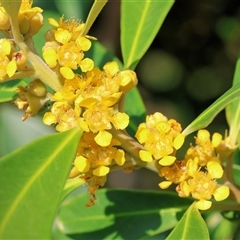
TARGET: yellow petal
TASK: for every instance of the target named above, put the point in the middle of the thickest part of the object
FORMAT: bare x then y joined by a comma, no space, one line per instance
84,43
83,125
11,68
50,57
167,160
120,121
178,141
101,171
221,193
215,169
203,204
53,22
67,72
145,156
142,135
164,184
82,164
49,118
216,139
120,157
111,68
63,36
6,46
103,138
86,64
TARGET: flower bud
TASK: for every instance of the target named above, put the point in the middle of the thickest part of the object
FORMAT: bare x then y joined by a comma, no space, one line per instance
37,88
128,80
35,24
4,19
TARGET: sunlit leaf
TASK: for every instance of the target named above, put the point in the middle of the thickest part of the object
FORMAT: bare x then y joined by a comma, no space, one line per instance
140,22
31,183
191,226
120,214
206,117
233,109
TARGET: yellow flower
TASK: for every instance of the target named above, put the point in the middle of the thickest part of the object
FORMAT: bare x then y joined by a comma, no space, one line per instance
160,137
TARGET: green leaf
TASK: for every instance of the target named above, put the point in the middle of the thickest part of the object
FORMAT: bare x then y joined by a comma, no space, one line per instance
76,8
120,214
191,226
101,55
206,117
71,185
140,22
8,90
135,108
32,180
94,12
233,109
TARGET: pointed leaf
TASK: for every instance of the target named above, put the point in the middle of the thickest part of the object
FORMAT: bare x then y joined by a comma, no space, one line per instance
233,109
206,117
120,214
191,226
94,12
31,184
140,22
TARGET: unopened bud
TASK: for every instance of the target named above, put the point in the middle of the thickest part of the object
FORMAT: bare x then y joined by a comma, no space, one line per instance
20,59
128,80
37,88
35,24
4,19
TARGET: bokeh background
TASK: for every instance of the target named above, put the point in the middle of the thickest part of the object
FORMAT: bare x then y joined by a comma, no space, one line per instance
187,67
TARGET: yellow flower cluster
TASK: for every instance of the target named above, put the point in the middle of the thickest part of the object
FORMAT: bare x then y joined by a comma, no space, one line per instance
90,101
196,175
9,59
65,46
30,19
161,138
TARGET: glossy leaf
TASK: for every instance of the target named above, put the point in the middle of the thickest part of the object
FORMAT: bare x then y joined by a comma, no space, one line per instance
140,22
233,109
120,214
8,90
135,108
191,226
206,117
32,180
